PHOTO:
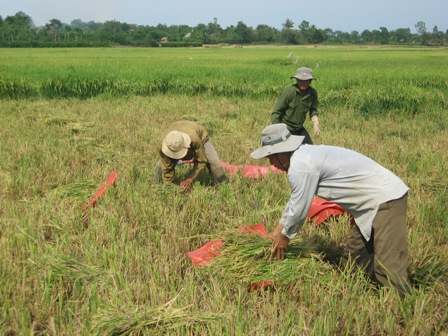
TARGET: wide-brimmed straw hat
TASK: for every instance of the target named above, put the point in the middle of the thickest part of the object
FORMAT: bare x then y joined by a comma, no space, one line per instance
176,144
275,139
304,73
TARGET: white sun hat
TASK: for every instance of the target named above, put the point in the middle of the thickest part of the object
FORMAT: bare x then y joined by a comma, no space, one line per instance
176,144
275,139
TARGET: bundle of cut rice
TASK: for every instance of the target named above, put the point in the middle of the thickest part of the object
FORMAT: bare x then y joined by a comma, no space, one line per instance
77,190
149,320
245,258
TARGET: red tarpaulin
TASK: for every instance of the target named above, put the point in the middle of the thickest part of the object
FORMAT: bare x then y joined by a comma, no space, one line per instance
321,210
254,229
246,170
250,171
206,253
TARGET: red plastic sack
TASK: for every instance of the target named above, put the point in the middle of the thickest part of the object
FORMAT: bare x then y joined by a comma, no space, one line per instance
101,191
246,170
262,285
321,210
206,253
259,229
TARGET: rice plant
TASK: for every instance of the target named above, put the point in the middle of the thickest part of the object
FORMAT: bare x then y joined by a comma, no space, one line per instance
65,125
156,321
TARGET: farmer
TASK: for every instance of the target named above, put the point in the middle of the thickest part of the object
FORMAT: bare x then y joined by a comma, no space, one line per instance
295,103
187,140
375,197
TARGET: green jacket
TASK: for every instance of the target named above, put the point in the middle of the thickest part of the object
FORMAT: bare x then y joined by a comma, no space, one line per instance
292,107
199,137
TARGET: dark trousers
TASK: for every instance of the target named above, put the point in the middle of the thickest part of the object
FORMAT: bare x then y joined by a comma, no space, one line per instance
304,133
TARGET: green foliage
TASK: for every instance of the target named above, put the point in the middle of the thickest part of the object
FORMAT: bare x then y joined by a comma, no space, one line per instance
371,81
18,31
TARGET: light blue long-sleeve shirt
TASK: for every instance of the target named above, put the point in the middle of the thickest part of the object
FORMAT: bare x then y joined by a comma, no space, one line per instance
350,179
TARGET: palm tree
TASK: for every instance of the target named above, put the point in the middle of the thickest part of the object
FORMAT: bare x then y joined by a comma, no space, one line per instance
288,24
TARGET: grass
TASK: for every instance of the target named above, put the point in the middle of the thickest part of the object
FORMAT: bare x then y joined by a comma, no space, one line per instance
132,321
122,267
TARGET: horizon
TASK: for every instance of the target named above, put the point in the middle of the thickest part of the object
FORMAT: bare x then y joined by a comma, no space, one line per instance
348,16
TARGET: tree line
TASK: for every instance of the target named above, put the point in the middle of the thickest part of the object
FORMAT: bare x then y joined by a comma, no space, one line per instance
20,31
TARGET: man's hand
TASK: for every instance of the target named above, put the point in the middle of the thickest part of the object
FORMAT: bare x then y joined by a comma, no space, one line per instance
315,121
275,232
187,184
279,246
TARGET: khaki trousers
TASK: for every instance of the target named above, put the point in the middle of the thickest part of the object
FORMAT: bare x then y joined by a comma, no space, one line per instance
385,256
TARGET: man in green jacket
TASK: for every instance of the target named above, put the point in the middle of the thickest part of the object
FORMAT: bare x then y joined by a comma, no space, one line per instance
187,140
295,102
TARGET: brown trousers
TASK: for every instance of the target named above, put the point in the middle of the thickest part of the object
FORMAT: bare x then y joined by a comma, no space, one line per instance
385,256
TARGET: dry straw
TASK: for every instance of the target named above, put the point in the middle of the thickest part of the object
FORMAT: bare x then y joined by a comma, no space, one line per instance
131,321
245,259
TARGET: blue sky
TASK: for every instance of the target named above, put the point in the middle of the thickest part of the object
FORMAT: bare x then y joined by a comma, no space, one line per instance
344,15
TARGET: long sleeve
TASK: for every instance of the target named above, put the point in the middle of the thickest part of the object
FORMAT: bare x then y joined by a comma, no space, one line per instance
314,104
303,188
168,168
200,160
278,114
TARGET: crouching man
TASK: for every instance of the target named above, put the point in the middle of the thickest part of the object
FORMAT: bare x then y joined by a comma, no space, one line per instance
187,140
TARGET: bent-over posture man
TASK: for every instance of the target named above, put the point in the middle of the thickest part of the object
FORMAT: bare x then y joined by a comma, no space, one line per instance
186,140
375,197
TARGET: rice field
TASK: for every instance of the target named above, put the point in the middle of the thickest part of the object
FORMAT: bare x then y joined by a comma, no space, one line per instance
70,117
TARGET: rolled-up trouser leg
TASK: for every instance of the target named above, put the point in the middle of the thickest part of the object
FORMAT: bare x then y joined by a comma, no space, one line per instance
214,163
390,245
158,173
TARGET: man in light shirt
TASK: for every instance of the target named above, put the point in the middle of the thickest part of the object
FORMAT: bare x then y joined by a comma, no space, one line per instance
375,197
